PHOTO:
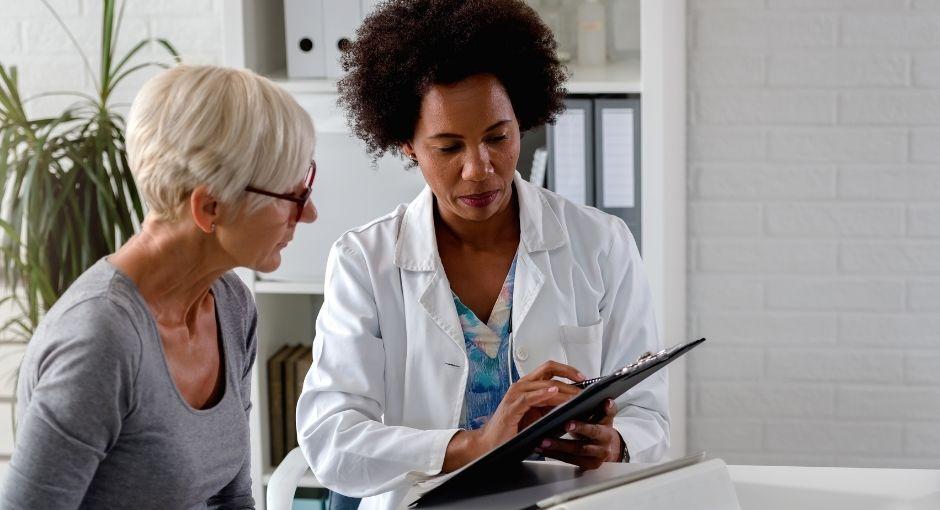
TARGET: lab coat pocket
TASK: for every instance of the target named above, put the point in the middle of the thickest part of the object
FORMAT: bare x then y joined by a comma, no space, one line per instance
583,347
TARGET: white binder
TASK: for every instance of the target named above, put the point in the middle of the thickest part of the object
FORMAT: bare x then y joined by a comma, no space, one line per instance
340,20
303,34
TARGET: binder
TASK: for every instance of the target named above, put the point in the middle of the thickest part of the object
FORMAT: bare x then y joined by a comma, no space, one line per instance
304,38
550,485
571,156
340,20
617,153
594,156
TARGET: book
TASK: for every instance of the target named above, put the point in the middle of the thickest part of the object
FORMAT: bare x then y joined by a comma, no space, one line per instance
277,425
291,394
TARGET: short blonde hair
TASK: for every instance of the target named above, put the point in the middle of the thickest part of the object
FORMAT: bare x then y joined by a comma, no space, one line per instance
222,128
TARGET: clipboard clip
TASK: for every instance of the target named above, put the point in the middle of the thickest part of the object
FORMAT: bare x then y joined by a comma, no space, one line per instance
646,359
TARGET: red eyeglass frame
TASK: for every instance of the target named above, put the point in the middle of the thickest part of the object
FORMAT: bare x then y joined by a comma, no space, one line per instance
300,200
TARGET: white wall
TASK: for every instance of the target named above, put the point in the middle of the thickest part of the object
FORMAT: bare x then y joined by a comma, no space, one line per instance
814,137
31,39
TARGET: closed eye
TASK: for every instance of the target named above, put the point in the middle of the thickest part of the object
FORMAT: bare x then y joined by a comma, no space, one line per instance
449,149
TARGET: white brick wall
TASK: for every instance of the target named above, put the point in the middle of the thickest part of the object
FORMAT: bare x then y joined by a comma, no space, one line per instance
815,231
31,39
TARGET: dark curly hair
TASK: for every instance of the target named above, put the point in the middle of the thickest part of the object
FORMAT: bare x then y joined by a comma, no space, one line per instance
406,46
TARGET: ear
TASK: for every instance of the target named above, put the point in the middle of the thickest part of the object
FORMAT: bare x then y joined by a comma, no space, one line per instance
204,209
409,150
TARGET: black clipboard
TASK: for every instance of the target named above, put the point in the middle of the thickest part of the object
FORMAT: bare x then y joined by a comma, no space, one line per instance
587,406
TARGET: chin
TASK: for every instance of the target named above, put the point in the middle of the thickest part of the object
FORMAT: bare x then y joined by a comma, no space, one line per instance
478,215
268,265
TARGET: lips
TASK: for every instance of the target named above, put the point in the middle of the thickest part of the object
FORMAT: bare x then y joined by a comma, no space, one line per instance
480,199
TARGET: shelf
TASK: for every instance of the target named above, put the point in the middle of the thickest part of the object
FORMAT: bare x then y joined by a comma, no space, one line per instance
276,287
614,78
308,481
303,85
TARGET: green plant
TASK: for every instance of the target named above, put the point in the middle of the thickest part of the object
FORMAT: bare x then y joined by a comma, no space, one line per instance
68,197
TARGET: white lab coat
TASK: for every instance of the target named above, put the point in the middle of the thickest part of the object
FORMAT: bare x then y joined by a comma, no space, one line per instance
385,392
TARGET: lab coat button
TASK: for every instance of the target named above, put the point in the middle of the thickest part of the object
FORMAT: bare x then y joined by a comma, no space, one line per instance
522,353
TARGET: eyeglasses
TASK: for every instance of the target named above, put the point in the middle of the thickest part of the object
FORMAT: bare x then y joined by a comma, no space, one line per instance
300,200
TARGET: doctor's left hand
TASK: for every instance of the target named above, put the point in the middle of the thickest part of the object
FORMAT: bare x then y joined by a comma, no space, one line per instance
591,445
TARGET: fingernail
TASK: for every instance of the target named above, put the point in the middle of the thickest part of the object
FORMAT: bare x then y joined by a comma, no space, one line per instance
570,427
552,389
546,443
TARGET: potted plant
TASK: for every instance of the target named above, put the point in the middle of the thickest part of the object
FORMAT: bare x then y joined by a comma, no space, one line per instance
68,197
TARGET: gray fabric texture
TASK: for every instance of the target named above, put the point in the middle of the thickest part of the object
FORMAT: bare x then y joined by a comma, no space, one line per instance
101,423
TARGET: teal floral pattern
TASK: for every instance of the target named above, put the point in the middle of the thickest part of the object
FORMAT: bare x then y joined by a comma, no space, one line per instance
488,353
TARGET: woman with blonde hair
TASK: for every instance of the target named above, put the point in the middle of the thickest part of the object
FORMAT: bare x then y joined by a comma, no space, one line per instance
135,389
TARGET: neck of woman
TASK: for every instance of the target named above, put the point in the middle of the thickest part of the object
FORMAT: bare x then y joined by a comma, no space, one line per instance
174,266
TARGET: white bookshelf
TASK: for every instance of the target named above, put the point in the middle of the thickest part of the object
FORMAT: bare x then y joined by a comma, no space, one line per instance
254,38
279,287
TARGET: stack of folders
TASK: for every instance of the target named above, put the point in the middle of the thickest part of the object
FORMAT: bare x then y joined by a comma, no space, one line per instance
287,369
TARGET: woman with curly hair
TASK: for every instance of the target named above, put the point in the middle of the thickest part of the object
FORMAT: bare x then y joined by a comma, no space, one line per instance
452,323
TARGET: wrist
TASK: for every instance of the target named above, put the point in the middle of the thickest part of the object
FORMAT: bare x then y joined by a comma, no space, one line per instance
464,447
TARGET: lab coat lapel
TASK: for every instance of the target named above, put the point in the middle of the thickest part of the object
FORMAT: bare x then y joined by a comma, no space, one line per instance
540,231
416,251
438,302
529,281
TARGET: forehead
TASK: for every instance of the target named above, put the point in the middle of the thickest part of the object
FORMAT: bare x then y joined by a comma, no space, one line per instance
472,104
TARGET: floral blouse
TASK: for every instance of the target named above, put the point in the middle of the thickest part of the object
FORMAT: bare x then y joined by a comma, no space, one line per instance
487,346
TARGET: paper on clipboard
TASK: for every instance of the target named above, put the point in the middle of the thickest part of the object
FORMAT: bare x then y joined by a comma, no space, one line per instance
618,158
569,154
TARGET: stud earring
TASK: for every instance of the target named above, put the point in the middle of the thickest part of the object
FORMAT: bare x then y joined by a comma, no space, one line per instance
212,227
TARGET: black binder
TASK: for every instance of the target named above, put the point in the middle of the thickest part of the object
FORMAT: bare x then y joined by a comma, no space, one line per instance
599,139
505,459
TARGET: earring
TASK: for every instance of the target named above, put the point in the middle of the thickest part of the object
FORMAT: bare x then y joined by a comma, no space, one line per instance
212,227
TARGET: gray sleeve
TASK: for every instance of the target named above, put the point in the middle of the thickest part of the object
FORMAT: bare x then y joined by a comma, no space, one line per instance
237,494
79,384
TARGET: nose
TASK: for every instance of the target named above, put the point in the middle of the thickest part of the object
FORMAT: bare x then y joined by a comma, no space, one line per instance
309,214
477,166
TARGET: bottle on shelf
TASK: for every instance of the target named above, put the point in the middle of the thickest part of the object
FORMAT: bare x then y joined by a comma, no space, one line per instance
553,13
592,34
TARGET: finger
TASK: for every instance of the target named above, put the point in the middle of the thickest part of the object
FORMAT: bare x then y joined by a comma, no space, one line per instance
585,463
522,401
563,388
592,431
551,369
574,448
611,409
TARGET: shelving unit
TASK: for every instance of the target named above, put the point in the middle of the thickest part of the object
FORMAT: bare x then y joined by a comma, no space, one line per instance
254,38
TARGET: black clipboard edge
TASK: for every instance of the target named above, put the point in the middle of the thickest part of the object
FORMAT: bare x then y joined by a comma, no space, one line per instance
551,423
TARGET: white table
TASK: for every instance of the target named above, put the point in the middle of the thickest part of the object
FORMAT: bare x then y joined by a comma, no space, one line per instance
792,487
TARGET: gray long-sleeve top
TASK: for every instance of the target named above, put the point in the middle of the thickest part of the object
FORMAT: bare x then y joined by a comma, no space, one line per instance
101,423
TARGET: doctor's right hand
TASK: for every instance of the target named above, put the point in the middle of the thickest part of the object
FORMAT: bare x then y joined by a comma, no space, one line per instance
527,400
